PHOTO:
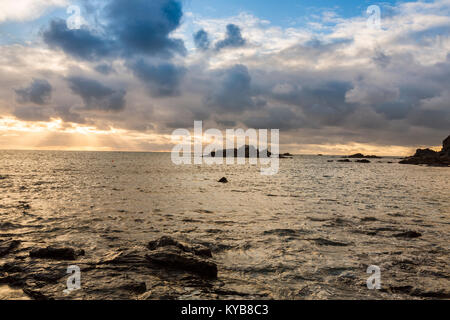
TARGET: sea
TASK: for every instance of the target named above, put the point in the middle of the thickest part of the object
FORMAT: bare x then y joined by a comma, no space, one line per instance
315,230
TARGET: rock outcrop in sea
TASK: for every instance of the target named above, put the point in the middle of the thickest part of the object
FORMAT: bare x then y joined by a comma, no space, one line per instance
431,157
245,151
362,156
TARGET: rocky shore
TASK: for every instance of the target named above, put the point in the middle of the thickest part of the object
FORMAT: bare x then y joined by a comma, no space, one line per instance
40,271
430,157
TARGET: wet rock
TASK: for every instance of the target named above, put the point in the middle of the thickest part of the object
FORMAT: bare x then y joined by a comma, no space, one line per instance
437,294
135,287
132,257
326,242
9,226
408,235
165,241
369,219
35,294
281,232
176,258
398,289
48,277
223,180
56,253
7,246
286,232
431,157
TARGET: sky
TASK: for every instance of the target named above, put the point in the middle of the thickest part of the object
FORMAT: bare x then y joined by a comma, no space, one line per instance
123,75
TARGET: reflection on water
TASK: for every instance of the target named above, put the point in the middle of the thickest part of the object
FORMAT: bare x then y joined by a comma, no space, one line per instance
309,232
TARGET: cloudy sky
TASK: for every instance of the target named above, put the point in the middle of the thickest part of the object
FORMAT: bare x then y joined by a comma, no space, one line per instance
122,75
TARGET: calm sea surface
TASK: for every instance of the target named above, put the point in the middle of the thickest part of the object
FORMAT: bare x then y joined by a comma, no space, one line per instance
309,232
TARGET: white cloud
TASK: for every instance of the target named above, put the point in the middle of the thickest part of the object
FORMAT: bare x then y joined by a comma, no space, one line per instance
25,10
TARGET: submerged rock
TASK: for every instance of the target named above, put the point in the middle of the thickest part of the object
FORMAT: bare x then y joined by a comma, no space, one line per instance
168,252
408,235
176,258
36,294
165,241
7,246
132,257
223,180
135,287
326,242
56,253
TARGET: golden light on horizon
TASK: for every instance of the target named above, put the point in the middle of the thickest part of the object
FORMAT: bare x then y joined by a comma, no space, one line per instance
58,135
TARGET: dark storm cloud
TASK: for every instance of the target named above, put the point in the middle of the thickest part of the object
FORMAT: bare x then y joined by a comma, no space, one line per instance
66,114
326,103
232,39
276,118
144,26
233,91
38,92
104,68
321,99
79,43
97,96
162,80
436,119
140,27
32,113
201,40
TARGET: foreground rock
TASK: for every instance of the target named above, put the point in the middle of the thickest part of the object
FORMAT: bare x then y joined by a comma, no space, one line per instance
223,180
166,241
431,157
167,252
56,253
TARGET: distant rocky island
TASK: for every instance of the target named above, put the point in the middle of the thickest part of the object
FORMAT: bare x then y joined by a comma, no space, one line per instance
247,152
362,156
431,157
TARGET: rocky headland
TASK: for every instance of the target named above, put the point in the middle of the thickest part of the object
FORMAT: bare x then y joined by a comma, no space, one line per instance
430,157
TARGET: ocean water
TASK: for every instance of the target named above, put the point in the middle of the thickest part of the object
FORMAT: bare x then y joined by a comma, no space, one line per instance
309,232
